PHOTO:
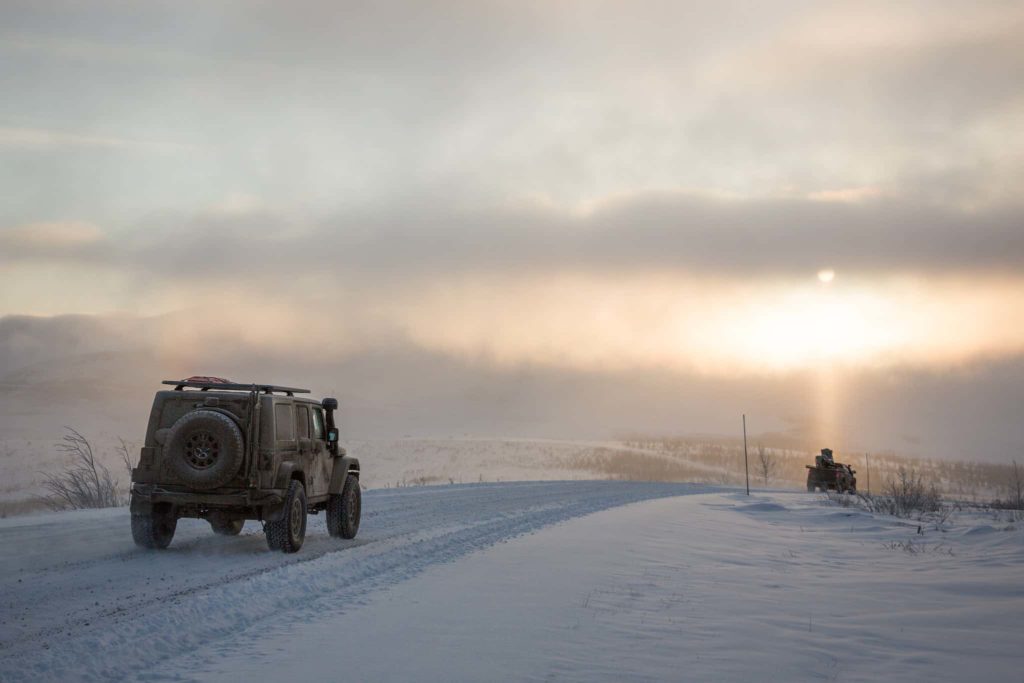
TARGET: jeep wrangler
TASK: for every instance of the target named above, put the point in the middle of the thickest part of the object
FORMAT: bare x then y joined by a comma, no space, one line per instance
228,452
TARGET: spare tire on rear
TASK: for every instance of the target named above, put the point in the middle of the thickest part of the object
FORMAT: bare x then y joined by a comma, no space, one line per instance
204,449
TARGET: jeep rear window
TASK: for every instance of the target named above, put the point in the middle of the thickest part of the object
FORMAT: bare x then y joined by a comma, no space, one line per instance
172,409
283,422
302,421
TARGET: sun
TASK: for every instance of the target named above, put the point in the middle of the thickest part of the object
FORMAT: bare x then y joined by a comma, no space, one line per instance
826,275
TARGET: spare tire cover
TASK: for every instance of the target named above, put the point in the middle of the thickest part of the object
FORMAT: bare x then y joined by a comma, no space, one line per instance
205,449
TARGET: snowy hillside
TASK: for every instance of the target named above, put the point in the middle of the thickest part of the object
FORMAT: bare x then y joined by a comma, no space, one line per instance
576,581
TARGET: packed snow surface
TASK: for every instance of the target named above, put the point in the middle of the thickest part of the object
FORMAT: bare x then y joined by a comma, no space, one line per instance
576,581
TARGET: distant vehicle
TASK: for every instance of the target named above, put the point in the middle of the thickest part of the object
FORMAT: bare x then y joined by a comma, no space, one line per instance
228,452
827,475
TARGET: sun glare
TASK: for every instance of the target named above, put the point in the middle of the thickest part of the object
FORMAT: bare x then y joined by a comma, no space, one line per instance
826,275
805,328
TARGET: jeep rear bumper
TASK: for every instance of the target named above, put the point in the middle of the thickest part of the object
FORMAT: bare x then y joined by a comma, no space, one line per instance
198,504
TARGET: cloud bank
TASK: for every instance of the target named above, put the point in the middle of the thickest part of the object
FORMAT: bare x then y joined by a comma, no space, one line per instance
528,200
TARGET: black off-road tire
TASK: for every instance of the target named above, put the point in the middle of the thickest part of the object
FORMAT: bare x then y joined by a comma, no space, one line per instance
154,530
231,527
288,533
811,485
345,509
205,449
273,536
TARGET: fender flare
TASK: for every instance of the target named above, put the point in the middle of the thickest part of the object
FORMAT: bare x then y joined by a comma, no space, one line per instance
286,472
344,467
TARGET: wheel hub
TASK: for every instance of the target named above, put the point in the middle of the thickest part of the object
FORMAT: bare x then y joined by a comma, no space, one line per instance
296,517
202,450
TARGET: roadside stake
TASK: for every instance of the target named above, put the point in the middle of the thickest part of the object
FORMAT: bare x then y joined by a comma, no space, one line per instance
746,463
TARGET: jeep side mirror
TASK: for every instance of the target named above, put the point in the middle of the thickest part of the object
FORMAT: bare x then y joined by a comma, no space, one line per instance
332,435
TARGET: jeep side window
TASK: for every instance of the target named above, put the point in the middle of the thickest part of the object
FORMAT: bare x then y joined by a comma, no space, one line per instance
302,421
283,422
318,424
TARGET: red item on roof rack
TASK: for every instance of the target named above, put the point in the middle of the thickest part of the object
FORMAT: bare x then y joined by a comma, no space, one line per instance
207,380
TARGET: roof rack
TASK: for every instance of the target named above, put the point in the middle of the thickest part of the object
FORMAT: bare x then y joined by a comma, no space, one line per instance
206,384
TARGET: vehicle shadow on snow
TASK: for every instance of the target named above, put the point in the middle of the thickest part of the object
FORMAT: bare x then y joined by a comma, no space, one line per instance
251,542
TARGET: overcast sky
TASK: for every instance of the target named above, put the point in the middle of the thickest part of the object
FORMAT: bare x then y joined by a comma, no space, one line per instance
582,187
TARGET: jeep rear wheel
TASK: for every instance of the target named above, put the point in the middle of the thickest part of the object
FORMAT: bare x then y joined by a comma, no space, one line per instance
231,527
205,449
154,530
344,510
288,533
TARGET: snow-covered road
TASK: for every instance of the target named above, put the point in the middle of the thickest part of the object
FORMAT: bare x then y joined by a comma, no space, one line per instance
80,602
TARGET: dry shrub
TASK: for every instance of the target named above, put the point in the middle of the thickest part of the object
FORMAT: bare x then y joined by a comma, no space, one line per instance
766,464
919,547
85,482
906,494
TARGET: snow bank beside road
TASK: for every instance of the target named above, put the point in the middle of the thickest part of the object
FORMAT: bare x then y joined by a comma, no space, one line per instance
717,587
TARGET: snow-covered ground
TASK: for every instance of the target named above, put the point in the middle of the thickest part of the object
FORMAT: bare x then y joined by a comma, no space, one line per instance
542,581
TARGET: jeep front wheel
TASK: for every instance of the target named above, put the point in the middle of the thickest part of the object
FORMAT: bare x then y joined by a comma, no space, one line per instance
154,530
287,533
344,510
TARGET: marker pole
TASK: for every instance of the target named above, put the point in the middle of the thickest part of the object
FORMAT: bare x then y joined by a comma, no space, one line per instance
746,461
